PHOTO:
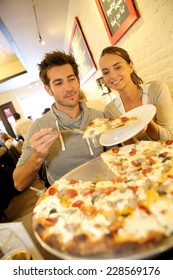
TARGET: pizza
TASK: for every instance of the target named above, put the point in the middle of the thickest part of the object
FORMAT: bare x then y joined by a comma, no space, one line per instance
100,125
132,209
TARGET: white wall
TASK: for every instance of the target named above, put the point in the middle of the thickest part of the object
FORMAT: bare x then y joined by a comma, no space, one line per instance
28,101
10,96
149,41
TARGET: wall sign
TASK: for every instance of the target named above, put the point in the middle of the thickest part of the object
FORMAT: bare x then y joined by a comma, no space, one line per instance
79,49
117,16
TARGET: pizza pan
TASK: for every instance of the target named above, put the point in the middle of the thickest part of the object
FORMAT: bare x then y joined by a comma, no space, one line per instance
147,251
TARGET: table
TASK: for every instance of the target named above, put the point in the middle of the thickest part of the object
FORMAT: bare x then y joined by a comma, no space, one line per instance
27,222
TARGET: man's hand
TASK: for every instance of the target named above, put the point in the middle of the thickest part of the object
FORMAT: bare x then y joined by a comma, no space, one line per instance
42,141
26,173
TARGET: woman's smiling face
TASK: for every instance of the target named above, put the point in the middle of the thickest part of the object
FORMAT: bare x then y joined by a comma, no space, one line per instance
116,71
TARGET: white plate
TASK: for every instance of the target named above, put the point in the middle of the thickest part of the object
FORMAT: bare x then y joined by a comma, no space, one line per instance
118,135
19,229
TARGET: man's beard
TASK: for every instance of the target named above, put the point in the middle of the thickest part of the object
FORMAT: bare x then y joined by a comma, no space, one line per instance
67,103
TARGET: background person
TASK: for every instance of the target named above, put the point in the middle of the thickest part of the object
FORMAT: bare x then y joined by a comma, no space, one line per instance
8,160
45,145
21,126
8,140
45,111
119,74
30,118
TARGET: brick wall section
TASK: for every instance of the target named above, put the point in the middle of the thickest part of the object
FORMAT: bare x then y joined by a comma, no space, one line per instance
149,41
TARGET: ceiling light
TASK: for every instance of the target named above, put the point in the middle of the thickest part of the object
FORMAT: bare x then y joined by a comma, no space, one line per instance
40,40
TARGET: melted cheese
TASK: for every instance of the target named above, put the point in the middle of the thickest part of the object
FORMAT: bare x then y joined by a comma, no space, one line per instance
163,211
139,225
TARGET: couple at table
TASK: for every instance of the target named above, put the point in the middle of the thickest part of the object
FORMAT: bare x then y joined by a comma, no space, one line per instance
58,153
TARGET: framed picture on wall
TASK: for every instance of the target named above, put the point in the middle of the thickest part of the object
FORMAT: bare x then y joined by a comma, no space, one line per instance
104,89
78,47
118,16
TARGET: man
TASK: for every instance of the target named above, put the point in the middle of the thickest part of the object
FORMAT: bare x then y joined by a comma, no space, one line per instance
21,125
59,152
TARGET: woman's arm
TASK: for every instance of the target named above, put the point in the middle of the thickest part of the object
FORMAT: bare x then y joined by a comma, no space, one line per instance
153,131
162,127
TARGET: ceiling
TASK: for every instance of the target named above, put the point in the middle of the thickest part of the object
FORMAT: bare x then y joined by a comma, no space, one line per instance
19,44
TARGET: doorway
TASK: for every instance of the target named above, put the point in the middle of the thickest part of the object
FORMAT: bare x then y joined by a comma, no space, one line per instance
6,118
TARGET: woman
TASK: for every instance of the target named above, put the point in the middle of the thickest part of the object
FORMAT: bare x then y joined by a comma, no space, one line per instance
119,74
8,140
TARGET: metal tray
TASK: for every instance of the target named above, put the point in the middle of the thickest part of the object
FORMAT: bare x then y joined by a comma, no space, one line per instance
96,169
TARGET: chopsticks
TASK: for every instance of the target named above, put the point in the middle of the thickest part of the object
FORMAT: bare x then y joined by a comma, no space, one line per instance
60,137
39,192
73,130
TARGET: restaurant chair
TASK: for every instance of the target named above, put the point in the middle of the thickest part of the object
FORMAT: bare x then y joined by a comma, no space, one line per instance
8,160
